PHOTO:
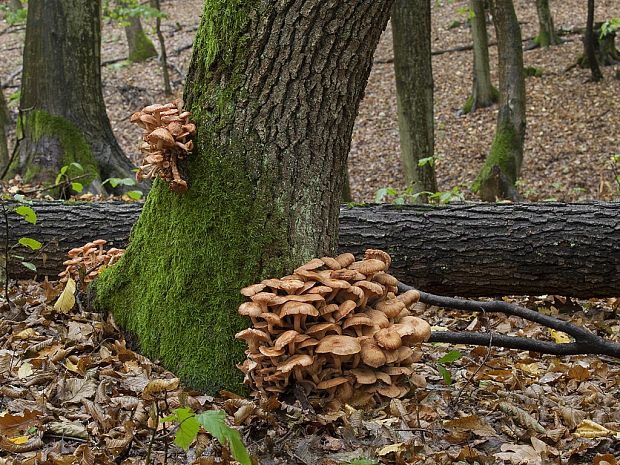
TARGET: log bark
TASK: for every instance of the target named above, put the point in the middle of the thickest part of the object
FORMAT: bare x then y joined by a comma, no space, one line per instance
465,249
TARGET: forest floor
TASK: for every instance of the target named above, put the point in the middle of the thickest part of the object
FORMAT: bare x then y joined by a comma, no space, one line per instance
72,392
573,124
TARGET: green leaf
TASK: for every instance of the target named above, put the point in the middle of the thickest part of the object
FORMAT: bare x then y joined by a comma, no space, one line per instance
28,242
30,266
77,166
188,427
445,374
380,195
77,186
27,213
426,161
22,199
213,422
135,195
450,357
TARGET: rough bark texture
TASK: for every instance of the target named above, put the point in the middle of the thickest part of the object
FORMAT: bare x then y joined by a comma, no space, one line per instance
411,32
501,169
140,47
483,93
274,88
546,31
63,117
4,121
467,250
589,44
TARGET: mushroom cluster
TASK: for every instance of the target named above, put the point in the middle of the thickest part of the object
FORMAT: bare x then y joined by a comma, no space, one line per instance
337,328
86,262
167,139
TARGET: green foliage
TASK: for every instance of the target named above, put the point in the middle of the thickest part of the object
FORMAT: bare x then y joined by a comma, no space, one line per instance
14,17
430,161
532,71
115,182
447,359
609,27
27,214
408,196
213,421
615,167
14,98
120,12
363,461
33,244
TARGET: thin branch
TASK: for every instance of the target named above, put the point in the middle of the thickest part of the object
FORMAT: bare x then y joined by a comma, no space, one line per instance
586,342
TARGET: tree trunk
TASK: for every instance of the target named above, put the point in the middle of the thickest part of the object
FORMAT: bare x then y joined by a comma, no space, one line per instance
62,113
468,250
15,5
546,31
589,44
346,187
4,121
501,169
411,32
605,49
483,93
140,47
163,57
274,88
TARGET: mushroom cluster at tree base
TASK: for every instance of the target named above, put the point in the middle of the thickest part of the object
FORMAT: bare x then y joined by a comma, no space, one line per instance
167,140
335,327
86,262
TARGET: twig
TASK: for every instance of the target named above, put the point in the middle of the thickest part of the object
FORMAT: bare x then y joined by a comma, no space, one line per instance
54,186
586,342
5,213
473,375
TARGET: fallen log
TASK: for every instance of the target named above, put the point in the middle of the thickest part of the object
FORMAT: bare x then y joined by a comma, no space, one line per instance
469,249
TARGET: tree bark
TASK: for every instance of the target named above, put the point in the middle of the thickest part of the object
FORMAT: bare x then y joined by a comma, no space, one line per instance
163,57
468,250
4,121
15,5
411,32
139,46
501,169
589,44
483,93
62,113
546,31
274,88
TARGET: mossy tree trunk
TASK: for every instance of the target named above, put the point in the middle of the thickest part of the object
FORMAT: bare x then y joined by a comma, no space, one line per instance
589,44
62,113
411,32
274,88
483,93
501,169
140,47
4,121
547,35
605,49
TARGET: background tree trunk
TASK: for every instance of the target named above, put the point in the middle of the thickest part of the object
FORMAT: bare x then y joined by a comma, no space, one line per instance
140,47
274,100
546,31
4,121
15,5
605,49
501,169
411,32
483,93
163,56
468,250
62,113
589,44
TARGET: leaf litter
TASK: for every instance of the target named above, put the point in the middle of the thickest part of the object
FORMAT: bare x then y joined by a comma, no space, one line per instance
88,398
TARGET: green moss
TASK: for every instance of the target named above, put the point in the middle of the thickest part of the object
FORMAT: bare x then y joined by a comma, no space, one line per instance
142,49
500,155
469,103
532,71
37,126
177,287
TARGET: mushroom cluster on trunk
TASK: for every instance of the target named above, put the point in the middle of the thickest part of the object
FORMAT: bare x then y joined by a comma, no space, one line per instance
335,327
86,262
167,139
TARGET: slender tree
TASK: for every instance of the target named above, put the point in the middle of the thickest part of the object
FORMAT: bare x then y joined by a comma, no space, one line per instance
274,101
4,121
163,57
62,114
411,32
590,46
501,169
483,93
547,35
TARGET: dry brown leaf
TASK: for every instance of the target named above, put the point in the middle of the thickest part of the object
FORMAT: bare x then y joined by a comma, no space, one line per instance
157,386
12,425
472,423
70,429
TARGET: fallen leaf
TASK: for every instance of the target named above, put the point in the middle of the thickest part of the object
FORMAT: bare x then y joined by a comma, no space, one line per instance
559,337
472,423
392,448
519,454
66,301
24,371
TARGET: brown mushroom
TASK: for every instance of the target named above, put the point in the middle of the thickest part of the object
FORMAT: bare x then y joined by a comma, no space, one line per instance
338,346
299,311
388,339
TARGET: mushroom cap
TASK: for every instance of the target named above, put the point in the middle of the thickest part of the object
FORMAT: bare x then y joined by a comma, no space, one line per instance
310,342
336,283
100,242
391,390
414,329
251,309
253,334
372,355
270,351
311,265
249,291
285,338
299,360
390,356
330,383
391,307
378,317
268,298
358,319
388,339
155,108
331,263
323,328
287,285
368,266
410,297
404,352
161,135
345,259
271,318
372,288
395,371
379,255
322,290
364,375
344,309
346,274
338,345
293,307
383,376
385,279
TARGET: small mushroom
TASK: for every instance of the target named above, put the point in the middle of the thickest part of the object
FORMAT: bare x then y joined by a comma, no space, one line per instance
338,346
